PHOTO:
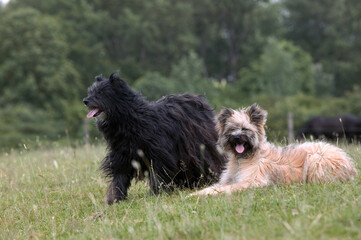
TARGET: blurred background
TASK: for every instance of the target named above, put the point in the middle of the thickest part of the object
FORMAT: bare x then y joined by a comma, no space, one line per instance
290,56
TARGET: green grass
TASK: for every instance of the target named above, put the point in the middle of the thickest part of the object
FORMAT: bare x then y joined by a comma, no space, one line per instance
59,194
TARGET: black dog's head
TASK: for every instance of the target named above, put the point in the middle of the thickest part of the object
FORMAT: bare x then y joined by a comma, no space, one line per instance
108,97
241,131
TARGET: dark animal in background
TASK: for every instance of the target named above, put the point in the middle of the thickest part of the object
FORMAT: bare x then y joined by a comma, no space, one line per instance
172,139
332,128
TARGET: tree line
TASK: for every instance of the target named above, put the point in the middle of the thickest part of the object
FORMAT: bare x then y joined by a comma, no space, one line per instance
289,55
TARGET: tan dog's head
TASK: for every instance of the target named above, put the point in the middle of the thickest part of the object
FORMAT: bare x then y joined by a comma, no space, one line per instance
241,131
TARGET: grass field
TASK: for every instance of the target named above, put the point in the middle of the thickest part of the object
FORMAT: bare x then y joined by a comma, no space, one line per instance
59,193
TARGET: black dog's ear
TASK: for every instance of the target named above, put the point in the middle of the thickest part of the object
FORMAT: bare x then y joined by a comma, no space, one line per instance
257,115
99,78
114,78
222,117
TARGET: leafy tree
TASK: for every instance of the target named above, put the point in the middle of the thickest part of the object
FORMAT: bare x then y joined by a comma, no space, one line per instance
232,33
33,63
147,34
330,31
233,51
154,86
35,72
325,82
283,69
353,101
186,76
83,29
138,36
189,76
23,124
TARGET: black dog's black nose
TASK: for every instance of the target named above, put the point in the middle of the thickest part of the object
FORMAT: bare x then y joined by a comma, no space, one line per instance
85,101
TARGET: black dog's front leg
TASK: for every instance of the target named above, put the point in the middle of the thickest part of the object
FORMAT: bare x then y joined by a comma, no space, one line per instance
118,188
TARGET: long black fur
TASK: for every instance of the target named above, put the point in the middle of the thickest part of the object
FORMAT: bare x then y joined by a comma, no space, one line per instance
172,139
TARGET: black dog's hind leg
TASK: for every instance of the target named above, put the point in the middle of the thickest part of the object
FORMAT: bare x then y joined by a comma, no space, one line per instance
118,188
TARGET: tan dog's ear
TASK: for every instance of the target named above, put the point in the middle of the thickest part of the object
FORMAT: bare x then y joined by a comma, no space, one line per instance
222,117
257,115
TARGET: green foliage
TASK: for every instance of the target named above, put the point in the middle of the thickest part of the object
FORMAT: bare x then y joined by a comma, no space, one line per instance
33,63
283,69
154,86
31,122
235,52
35,73
330,32
82,28
232,33
186,76
325,84
353,101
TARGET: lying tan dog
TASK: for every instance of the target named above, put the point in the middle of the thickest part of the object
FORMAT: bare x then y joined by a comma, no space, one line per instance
254,162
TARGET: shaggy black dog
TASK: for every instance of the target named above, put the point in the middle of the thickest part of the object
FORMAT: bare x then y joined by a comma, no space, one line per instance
173,140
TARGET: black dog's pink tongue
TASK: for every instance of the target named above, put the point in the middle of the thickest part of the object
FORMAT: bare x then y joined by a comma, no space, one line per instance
239,148
92,113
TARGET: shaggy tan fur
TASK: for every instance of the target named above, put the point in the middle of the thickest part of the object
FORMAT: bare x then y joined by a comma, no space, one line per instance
254,162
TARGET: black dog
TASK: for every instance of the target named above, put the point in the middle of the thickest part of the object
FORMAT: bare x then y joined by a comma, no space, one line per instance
332,128
172,139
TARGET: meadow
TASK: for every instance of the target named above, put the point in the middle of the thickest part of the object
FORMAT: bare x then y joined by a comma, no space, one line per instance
59,193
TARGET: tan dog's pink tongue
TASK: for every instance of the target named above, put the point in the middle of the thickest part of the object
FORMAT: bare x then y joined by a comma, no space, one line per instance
239,148
92,113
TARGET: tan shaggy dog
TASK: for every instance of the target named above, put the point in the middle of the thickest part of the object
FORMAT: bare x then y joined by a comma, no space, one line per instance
254,162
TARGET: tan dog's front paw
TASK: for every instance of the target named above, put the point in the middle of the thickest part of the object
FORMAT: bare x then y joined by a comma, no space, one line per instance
207,191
